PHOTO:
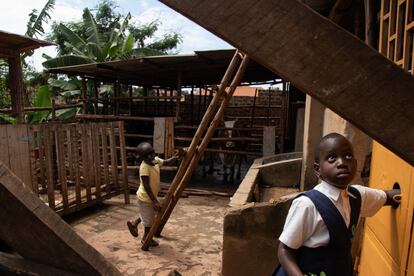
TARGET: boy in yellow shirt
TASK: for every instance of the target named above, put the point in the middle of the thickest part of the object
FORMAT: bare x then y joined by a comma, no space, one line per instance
149,174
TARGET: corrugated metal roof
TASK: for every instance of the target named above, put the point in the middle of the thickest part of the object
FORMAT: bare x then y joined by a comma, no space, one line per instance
12,43
200,68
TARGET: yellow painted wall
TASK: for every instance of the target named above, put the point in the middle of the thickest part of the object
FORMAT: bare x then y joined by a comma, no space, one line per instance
388,245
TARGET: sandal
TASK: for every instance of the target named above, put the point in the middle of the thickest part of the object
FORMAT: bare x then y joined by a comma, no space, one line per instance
132,229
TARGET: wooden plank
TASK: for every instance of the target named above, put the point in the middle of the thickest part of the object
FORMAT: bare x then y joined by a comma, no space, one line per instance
18,140
169,137
269,140
69,145
123,161
90,164
11,264
48,138
60,158
86,162
159,134
104,142
96,160
4,146
36,233
42,179
114,156
76,147
34,145
321,59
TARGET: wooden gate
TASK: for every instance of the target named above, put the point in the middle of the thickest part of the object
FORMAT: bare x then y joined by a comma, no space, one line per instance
70,166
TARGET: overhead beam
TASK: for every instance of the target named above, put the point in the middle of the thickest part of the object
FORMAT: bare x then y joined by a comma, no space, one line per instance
38,234
321,59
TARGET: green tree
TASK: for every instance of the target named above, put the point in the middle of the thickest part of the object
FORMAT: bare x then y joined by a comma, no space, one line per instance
103,35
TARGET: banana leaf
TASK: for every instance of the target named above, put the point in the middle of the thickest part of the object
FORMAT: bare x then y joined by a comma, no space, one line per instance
43,99
8,119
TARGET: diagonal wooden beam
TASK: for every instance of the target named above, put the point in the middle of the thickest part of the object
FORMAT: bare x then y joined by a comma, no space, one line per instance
38,234
321,59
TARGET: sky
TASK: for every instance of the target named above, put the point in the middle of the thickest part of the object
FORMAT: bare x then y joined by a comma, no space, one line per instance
15,14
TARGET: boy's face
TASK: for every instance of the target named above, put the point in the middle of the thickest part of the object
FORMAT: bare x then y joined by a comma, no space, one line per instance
337,164
147,154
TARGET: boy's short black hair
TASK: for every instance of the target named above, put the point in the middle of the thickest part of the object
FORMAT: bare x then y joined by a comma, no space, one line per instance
142,150
324,138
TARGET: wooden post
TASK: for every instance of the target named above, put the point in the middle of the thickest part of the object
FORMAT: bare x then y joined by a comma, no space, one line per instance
268,106
177,106
84,96
189,162
16,87
96,96
123,161
104,142
158,102
192,105
130,99
53,109
269,141
145,92
171,102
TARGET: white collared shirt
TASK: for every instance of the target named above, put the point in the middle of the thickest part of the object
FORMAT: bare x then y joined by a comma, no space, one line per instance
305,226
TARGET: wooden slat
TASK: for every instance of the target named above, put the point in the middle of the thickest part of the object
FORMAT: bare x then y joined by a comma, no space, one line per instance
169,137
36,171
47,135
123,161
69,145
321,59
19,155
97,159
36,233
86,162
76,147
42,160
114,157
4,146
60,156
104,142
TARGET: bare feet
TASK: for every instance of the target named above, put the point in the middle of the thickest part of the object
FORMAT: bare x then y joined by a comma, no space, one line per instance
132,229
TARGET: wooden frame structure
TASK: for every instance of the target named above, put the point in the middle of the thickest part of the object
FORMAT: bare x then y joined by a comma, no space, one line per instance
70,166
162,80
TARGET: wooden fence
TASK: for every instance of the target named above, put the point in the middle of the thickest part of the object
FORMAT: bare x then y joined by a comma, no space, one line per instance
70,166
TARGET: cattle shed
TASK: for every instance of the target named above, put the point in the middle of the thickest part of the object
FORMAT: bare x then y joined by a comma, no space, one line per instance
181,87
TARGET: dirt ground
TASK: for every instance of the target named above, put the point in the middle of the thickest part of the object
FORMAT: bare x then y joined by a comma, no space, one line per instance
191,242
192,239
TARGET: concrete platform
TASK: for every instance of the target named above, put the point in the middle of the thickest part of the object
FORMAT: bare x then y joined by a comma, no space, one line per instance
192,242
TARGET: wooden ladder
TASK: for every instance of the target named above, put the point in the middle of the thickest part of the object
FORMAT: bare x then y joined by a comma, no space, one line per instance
208,125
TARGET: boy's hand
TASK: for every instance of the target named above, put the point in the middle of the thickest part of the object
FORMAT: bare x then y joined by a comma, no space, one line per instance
156,205
393,198
180,153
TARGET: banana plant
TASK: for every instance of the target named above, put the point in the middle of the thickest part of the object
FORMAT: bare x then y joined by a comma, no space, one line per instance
93,48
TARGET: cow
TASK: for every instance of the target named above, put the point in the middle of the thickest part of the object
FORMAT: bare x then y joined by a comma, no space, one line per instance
231,162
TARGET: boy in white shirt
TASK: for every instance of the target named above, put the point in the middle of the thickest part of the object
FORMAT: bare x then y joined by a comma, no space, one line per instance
319,227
